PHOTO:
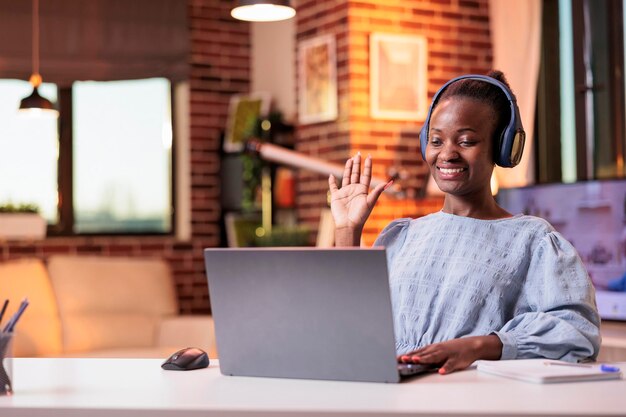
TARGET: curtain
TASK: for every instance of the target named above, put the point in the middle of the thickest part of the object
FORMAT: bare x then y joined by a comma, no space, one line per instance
96,39
516,39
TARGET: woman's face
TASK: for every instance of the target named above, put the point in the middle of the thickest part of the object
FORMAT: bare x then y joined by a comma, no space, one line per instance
459,150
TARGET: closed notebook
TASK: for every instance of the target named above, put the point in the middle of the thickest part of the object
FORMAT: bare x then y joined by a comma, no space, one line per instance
544,371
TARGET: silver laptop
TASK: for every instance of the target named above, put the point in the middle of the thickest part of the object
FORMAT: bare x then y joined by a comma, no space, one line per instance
304,313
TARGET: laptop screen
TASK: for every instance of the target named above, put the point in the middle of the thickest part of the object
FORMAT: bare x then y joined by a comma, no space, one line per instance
303,312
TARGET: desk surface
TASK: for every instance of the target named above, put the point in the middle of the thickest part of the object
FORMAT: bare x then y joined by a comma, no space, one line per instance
138,387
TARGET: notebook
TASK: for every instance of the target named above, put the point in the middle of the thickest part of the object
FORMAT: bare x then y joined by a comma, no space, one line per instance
304,313
544,371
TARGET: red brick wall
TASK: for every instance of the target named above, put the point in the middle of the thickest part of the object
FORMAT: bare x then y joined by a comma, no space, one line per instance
458,42
220,50
330,141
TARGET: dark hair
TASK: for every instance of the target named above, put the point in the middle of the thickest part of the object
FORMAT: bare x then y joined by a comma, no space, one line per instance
486,93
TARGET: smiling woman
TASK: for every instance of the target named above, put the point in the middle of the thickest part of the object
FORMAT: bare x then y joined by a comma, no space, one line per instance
460,160
474,281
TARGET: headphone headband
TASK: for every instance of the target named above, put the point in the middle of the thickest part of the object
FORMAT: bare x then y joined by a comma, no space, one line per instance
508,150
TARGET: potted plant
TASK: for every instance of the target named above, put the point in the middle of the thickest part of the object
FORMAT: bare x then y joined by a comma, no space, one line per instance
21,221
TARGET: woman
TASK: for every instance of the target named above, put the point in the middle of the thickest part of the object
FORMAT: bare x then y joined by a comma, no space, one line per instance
473,281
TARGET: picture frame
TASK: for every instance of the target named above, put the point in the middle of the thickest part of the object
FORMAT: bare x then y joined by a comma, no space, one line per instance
243,111
398,77
317,80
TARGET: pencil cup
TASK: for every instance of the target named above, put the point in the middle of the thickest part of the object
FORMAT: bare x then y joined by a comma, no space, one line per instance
6,363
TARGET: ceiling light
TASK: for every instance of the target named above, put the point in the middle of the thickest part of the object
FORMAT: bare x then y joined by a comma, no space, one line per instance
35,102
263,10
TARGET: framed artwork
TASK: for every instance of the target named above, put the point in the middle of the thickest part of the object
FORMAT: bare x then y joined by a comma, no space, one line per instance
317,89
243,113
398,77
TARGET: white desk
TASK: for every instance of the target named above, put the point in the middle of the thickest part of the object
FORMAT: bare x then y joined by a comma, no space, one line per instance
138,387
613,347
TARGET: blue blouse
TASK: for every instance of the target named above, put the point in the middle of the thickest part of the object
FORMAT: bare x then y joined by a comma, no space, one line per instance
453,276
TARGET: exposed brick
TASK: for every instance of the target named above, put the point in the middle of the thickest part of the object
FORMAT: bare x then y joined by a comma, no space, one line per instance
458,41
219,67
19,250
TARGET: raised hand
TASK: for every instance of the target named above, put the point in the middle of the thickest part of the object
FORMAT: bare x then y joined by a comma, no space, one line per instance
351,204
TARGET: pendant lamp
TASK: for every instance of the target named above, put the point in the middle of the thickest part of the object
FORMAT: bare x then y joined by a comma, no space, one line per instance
35,102
263,10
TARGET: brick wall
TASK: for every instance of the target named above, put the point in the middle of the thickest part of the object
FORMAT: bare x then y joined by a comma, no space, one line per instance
220,50
330,141
458,42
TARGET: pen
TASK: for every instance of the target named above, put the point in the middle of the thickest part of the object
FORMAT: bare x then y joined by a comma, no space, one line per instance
4,308
576,365
603,367
11,324
608,368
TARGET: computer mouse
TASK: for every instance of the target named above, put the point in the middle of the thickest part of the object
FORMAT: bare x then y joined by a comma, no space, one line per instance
186,359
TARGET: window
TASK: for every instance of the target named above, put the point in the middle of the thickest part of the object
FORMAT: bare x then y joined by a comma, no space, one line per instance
114,172
581,110
28,151
122,156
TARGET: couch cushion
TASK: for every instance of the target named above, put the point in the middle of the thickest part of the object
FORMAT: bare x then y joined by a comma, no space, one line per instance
143,353
90,331
111,302
39,331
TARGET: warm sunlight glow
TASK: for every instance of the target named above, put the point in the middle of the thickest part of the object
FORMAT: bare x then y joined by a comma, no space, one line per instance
28,149
122,155
494,184
166,135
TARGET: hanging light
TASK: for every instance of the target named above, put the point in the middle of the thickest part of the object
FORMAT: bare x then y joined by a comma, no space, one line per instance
263,10
35,102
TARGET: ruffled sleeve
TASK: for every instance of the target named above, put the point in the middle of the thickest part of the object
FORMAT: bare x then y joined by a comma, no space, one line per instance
556,316
393,237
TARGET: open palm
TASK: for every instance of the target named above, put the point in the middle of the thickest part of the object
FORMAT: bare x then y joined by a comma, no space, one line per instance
351,204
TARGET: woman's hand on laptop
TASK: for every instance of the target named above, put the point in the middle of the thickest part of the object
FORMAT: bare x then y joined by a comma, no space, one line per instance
456,354
351,204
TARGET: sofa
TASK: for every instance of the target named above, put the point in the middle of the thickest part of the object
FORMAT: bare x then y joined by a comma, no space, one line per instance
95,306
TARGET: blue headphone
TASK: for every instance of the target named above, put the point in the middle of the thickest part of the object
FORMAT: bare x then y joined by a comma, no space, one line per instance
508,151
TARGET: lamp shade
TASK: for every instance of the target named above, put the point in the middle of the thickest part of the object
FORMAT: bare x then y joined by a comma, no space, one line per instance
263,10
36,102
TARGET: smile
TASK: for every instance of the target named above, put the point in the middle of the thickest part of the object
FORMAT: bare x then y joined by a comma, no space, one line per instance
451,170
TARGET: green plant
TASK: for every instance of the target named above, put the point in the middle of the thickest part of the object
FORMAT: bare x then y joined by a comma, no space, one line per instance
252,166
19,208
263,129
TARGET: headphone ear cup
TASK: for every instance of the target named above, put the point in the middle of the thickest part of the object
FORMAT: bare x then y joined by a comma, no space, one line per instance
508,152
499,150
424,138
511,148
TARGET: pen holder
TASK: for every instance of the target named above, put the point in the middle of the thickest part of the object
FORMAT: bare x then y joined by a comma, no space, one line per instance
6,364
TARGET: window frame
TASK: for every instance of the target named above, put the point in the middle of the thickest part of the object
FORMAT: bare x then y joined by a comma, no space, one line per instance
65,172
549,140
